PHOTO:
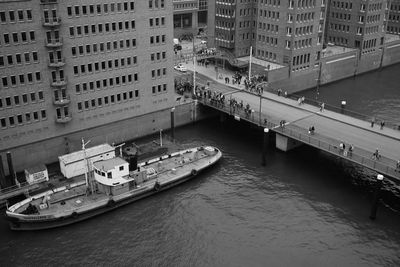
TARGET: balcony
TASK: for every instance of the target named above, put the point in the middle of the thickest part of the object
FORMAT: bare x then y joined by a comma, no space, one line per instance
51,22
57,62
58,82
54,42
62,101
65,119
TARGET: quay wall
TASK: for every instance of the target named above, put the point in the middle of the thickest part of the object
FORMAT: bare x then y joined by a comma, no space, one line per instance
48,150
334,68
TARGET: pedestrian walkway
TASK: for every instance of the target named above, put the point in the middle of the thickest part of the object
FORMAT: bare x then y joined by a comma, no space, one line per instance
271,94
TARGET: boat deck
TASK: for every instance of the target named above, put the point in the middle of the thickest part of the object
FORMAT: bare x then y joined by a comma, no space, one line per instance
64,201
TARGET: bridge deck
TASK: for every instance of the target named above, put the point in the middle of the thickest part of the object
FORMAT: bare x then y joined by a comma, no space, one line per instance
331,128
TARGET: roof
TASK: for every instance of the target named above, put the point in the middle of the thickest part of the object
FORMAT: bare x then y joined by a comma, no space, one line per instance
36,169
90,152
109,164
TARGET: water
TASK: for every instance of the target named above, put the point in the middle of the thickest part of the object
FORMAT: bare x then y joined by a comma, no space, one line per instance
305,208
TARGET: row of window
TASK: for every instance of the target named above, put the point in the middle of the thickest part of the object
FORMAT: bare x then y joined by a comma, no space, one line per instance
105,65
340,15
393,17
242,24
301,59
156,4
339,27
155,22
341,4
18,38
159,88
158,56
103,47
269,14
395,7
393,29
157,39
106,100
11,121
338,40
266,55
14,16
25,58
372,29
268,27
21,79
106,27
17,100
105,83
158,73
100,9
268,40
271,2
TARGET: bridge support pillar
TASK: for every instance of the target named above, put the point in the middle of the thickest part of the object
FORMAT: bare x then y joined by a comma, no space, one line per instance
264,147
378,186
13,176
172,123
285,143
3,183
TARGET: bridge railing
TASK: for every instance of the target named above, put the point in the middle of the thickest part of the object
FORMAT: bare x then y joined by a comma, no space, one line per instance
363,157
346,111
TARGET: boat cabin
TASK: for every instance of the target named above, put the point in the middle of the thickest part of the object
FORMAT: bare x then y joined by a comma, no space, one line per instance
113,176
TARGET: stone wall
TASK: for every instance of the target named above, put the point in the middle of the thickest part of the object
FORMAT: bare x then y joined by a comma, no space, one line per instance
47,151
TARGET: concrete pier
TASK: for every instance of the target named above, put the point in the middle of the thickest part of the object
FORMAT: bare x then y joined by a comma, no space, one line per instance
285,143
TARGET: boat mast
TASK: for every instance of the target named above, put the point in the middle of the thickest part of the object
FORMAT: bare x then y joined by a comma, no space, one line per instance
87,162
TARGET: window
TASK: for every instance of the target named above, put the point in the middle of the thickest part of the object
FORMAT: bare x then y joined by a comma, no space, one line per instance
16,100
38,76
2,16
11,15
43,114
32,36
20,15
24,37
6,38
35,56
27,117
69,11
40,95
33,97
77,11
3,122
29,14
35,115
11,120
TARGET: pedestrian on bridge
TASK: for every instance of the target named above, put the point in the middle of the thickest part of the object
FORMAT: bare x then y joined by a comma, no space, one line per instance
397,166
382,124
372,122
322,107
376,155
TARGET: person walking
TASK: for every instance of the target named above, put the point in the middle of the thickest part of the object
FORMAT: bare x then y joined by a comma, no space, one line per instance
382,124
372,122
322,107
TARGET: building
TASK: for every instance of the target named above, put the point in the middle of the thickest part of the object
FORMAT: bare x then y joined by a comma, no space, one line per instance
357,24
393,18
190,17
290,32
285,32
69,66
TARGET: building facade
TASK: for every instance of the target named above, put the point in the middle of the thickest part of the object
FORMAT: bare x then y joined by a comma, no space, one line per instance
393,17
67,66
357,24
190,17
286,32
290,32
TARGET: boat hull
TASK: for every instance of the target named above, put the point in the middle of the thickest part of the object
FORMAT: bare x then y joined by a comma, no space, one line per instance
28,225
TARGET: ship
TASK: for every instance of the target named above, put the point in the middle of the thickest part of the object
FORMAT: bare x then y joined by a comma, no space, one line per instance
110,184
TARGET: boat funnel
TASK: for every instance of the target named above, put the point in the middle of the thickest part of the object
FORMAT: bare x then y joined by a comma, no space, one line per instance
133,162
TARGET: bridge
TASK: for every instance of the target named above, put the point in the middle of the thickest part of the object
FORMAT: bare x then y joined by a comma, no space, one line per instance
291,122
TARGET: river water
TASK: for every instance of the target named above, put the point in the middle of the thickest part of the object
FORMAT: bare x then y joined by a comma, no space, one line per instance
305,208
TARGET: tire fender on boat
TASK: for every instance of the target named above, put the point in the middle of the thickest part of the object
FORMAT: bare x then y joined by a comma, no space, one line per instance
194,172
157,186
74,215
